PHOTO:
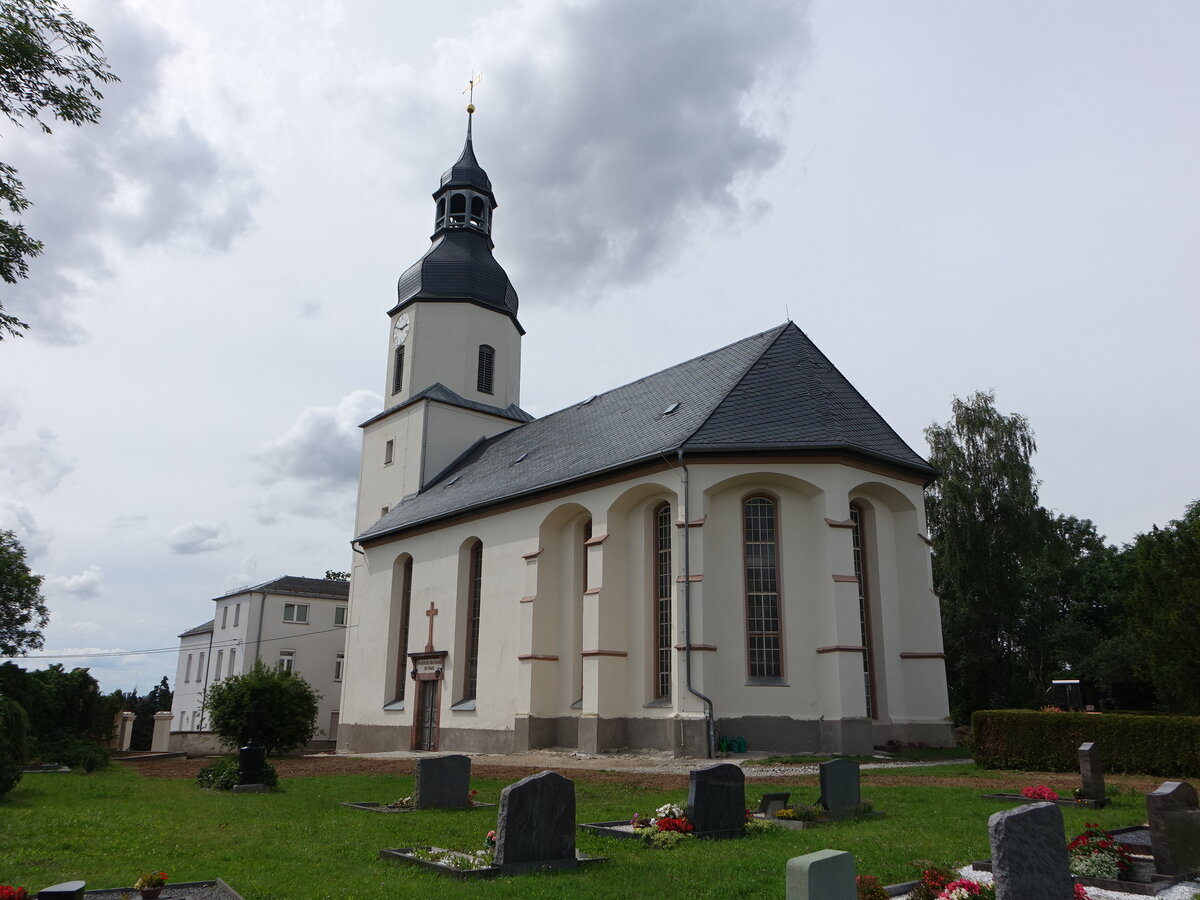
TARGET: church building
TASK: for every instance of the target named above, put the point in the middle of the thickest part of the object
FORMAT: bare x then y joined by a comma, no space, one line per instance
732,546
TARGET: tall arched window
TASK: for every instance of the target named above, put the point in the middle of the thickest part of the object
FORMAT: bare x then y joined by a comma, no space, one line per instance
398,372
663,578
474,594
441,214
761,557
402,610
458,210
478,212
487,364
864,609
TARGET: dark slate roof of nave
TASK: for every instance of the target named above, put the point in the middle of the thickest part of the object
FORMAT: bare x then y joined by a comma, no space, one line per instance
773,391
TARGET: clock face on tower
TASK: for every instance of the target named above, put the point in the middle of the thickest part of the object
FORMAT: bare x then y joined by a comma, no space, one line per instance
400,330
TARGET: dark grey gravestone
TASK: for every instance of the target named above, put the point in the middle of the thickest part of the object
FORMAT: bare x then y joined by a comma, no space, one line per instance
717,801
537,823
840,785
68,890
443,782
1029,854
1091,774
1181,830
824,875
773,803
1170,797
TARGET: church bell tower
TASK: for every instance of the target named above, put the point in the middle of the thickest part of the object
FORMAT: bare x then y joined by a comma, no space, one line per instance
453,350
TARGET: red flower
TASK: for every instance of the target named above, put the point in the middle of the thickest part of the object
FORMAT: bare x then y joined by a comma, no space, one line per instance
681,824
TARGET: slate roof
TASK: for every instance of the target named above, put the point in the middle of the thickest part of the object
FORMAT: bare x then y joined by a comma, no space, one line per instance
200,629
299,586
458,266
771,392
466,171
438,391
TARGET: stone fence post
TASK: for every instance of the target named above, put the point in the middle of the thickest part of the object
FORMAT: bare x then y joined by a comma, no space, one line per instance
126,734
161,741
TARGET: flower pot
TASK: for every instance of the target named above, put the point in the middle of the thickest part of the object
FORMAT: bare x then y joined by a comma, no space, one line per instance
150,893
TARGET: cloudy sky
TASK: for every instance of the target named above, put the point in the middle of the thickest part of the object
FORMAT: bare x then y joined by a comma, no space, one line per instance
945,196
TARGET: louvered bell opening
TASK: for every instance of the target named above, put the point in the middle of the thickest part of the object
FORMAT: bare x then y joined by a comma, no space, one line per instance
484,383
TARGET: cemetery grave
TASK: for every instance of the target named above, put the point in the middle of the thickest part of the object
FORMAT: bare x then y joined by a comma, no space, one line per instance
184,890
840,799
716,809
535,831
1089,793
441,782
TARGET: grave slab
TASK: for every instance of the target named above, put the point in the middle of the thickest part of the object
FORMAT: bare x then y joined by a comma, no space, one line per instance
840,785
824,875
442,782
717,801
1029,854
1170,844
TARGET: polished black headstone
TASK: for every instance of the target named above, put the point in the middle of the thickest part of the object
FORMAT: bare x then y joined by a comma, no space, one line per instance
1169,833
537,822
443,782
68,890
717,801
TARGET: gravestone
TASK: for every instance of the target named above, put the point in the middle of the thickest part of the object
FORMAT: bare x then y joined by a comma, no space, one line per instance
536,828
68,890
773,803
1029,854
717,801
824,875
252,758
1091,774
840,785
1174,816
443,782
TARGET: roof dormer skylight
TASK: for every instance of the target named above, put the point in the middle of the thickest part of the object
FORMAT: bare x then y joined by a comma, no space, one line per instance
670,409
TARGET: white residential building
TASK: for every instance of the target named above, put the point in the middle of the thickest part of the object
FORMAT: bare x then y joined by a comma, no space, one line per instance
293,622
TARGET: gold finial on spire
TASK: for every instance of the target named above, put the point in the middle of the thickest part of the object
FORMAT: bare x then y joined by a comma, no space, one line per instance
470,88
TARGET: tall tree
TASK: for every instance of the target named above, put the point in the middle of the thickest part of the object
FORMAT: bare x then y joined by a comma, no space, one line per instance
50,66
985,524
1164,605
23,612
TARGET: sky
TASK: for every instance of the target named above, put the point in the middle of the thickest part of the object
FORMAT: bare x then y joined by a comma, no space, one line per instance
946,197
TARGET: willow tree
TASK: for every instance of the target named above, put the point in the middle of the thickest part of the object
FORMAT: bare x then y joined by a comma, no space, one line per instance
986,527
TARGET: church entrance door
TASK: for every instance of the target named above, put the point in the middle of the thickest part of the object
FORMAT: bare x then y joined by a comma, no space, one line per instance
427,718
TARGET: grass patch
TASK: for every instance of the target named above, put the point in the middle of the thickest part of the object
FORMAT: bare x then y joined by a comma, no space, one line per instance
300,844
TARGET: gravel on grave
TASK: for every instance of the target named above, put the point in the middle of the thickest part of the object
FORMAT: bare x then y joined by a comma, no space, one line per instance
1183,891
196,890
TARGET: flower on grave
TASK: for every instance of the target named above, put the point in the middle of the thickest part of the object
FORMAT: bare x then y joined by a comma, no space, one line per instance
1080,893
150,880
675,823
404,802
471,797
490,840
640,821
1095,854
965,888
869,888
8,892
747,816
1039,792
667,811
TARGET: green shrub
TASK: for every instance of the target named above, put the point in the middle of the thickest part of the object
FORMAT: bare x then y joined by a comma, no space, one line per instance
76,753
14,744
1049,742
286,705
223,775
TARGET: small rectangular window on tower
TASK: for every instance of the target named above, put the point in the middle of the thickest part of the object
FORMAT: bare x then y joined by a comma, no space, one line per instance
389,451
398,374
487,366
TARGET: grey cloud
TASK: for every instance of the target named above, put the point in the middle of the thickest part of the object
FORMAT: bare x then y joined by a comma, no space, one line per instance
200,537
19,519
34,467
87,585
623,126
312,469
143,176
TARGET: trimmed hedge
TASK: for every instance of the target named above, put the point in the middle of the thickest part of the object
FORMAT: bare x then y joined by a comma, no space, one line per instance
1049,741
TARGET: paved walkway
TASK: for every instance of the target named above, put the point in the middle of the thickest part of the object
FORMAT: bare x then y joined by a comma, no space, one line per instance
645,762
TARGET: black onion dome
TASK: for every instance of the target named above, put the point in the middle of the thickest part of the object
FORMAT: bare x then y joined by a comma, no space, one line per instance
459,266
466,172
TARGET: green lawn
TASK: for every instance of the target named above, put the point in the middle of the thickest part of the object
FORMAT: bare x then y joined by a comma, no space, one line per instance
300,844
